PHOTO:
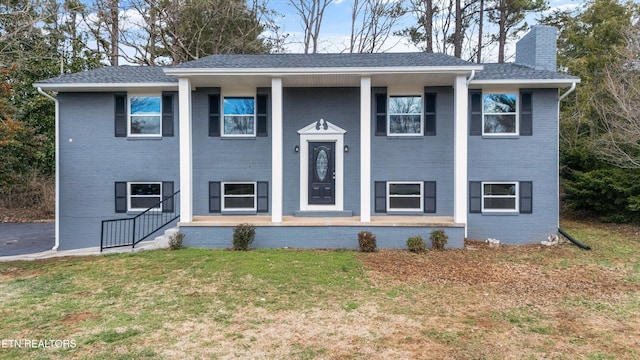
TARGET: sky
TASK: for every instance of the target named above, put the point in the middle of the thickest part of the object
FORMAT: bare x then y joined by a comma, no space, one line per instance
336,27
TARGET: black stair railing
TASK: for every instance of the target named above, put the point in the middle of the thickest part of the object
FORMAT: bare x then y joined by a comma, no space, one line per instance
131,231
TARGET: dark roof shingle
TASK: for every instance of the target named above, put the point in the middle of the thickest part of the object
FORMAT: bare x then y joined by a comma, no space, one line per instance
270,61
115,75
512,71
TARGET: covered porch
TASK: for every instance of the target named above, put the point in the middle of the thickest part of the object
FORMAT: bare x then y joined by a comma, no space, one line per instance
319,232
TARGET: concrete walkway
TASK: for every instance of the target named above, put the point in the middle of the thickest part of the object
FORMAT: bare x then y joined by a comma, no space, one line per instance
145,245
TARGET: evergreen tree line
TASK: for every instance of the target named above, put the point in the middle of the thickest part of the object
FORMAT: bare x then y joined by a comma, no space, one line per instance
599,130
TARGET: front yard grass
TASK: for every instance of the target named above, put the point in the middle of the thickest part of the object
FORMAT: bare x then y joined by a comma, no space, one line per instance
495,303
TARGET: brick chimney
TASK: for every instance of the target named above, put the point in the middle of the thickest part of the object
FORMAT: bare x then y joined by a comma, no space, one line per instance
537,49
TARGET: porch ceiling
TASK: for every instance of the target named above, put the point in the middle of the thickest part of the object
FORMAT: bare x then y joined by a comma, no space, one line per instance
325,80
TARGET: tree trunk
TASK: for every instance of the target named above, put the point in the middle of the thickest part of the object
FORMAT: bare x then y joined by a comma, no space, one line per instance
502,30
114,31
428,26
457,34
480,28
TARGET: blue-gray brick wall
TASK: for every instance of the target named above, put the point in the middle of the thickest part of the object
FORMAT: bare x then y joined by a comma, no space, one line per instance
525,158
92,159
339,106
224,159
420,158
309,237
537,49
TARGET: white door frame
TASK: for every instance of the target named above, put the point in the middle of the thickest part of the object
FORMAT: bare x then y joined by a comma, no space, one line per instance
321,131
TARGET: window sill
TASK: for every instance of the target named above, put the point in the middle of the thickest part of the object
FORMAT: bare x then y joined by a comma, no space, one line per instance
239,212
405,212
138,212
248,137
405,137
500,213
510,136
136,138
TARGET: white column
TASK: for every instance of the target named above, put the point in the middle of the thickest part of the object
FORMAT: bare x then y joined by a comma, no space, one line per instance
460,151
277,183
186,156
365,149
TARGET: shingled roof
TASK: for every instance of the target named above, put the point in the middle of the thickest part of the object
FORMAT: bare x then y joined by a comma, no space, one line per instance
512,71
271,61
115,75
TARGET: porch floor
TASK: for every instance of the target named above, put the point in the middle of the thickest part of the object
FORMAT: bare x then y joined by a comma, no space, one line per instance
430,221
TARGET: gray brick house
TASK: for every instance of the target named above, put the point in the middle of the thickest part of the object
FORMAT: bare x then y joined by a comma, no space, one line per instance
314,148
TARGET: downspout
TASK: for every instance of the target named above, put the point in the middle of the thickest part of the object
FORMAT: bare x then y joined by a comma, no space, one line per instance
573,87
473,74
57,123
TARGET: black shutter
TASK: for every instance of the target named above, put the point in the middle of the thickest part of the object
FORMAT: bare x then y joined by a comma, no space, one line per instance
214,197
526,197
380,190
167,115
263,196
121,197
475,197
430,114
214,115
261,115
120,118
429,196
381,114
526,114
475,112
167,196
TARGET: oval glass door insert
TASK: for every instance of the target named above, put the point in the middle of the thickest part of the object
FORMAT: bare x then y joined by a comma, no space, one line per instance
322,165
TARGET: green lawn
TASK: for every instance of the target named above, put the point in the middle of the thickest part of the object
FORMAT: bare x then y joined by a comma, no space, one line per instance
511,302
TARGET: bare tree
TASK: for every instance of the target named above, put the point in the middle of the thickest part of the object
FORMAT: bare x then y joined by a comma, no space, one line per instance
105,28
509,16
620,110
372,22
311,13
444,26
480,30
457,31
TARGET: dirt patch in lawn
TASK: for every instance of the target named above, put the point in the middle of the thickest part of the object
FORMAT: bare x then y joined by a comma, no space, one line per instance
526,271
71,319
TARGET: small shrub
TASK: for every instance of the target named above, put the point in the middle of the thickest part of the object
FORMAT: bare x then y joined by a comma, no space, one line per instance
366,241
416,244
438,239
243,236
175,241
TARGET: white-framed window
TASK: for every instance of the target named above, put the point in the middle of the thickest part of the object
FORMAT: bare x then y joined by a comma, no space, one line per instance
239,196
239,116
500,114
405,115
405,196
145,115
500,196
144,195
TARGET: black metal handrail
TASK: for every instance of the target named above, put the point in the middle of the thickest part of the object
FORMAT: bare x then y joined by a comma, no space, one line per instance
131,231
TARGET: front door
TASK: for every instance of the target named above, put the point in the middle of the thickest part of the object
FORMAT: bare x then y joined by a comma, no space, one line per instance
322,173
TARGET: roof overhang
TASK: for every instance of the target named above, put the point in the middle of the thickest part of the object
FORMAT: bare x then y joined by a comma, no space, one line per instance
528,83
323,76
107,87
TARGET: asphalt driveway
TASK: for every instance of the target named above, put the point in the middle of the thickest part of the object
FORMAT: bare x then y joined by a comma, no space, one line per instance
26,238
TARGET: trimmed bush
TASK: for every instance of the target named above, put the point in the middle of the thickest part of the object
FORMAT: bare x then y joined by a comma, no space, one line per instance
366,241
243,236
416,244
175,241
438,239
